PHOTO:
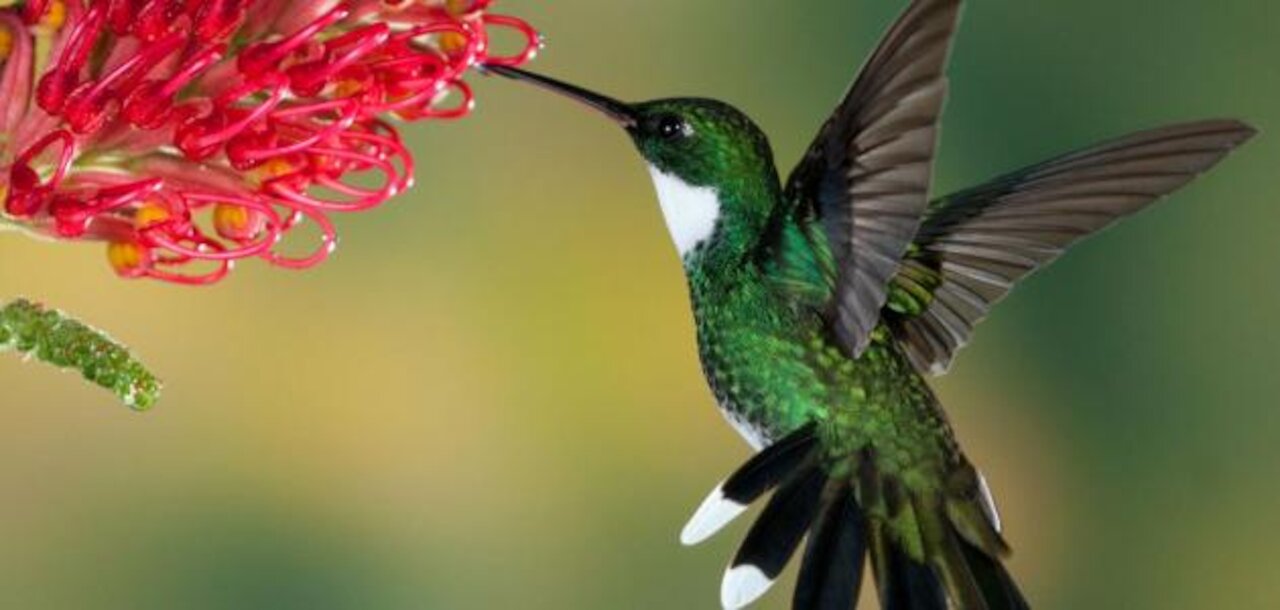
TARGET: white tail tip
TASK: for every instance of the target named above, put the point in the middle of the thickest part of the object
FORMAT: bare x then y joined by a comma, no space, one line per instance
742,585
989,504
716,512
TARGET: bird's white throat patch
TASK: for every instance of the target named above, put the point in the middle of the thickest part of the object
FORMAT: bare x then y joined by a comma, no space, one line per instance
691,212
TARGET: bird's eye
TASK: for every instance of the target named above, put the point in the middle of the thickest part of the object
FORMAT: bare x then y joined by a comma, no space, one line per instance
672,127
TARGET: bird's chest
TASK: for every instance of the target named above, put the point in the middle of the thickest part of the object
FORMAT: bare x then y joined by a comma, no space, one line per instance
760,374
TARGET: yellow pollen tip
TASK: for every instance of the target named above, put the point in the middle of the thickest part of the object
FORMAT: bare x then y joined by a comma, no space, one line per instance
453,42
348,88
273,169
149,215
6,43
55,16
127,257
457,7
237,222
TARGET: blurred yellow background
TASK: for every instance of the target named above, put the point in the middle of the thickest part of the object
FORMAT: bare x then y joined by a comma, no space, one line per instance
490,397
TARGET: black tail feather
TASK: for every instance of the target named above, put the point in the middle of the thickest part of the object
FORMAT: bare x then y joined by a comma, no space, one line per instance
831,572
774,537
998,589
764,471
930,549
904,583
769,467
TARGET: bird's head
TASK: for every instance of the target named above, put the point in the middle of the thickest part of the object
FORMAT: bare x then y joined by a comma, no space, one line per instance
712,166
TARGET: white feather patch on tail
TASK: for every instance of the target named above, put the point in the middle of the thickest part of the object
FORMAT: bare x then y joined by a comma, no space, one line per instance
715,513
742,585
989,504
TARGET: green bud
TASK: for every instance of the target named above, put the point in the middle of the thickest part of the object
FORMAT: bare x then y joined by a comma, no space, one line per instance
52,337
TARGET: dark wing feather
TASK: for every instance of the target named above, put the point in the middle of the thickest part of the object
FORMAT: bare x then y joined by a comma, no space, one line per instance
984,240
866,177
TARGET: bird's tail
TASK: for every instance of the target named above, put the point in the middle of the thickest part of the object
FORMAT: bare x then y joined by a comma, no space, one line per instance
934,550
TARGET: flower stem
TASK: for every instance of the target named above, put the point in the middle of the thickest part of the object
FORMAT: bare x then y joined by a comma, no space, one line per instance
51,336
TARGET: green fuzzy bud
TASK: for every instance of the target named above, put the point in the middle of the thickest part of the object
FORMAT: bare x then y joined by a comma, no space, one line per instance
52,337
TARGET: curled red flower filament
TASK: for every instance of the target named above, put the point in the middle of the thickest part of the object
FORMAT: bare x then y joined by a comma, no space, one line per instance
191,134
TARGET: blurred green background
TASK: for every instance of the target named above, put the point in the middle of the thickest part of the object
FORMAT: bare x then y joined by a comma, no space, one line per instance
490,397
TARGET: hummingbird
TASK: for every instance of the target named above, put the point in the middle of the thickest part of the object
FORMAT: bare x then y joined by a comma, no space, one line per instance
824,304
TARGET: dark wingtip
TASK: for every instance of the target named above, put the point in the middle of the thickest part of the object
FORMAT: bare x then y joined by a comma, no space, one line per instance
1238,131
1247,131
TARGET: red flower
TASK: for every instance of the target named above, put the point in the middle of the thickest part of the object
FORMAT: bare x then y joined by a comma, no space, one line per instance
189,134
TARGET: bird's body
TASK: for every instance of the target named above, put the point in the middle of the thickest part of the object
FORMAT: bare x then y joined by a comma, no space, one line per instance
824,302
760,286
773,365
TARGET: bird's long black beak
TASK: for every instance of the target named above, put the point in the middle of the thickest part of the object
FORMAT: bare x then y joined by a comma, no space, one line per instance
620,112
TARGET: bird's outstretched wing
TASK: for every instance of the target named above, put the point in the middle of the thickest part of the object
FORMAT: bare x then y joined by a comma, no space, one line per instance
975,245
866,177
